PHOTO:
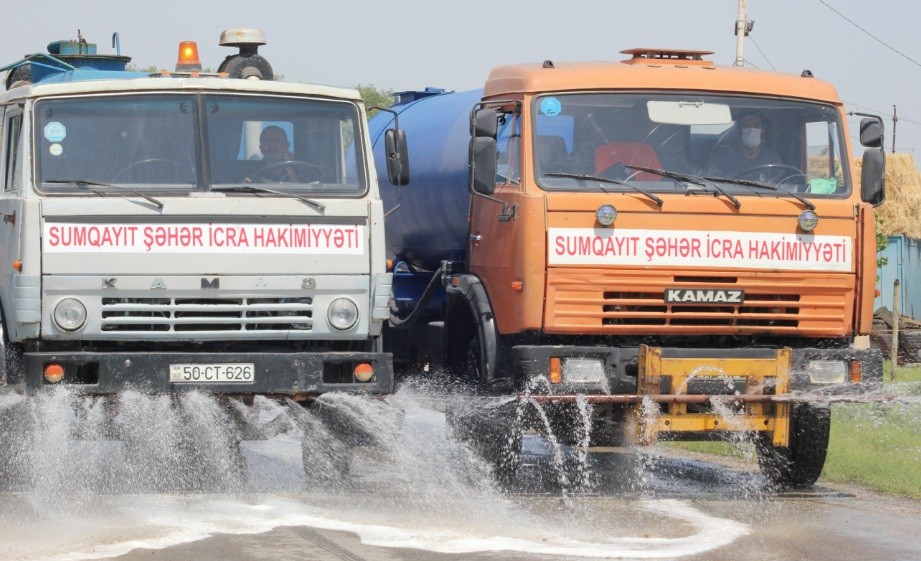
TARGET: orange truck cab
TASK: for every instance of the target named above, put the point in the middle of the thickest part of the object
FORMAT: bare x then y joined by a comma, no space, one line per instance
662,239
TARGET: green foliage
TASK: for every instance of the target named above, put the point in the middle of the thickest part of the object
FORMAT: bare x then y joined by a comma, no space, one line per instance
876,445
152,69
374,97
882,240
148,69
903,373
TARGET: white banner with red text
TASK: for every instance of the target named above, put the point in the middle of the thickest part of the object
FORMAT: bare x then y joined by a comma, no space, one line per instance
60,237
695,248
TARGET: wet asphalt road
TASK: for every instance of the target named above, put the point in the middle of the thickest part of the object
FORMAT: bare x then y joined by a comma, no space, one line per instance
830,523
426,498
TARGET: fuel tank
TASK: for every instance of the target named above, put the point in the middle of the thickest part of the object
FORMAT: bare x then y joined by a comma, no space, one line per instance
430,223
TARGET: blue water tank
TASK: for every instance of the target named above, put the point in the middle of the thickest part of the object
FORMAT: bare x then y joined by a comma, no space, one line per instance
72,61
431,222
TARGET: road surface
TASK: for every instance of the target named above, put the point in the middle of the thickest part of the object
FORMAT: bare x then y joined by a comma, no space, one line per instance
425,498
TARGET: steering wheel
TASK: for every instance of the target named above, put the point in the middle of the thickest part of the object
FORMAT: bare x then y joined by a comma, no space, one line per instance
127,171
303,170
791,171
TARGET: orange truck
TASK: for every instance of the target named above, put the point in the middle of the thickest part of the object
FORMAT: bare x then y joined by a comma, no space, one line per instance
656,248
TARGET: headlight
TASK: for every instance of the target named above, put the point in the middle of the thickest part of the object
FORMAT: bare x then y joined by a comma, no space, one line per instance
583,370
342,313
827,372
70,314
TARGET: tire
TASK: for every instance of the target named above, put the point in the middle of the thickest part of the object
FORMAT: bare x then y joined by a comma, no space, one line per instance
16,441
326,458
16,437
188,461
493,432
247,66
799,465
19,76
12,362
472,368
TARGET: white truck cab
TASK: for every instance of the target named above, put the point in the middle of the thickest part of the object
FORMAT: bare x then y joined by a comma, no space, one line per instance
179,231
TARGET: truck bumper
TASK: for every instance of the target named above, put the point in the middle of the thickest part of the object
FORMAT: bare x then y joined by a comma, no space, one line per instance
618,367
687,393
295,375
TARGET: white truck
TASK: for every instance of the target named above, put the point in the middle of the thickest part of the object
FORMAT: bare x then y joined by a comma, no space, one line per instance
150,241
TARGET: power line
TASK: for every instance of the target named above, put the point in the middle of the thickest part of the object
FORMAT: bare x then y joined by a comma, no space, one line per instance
760,51
887,45
887,114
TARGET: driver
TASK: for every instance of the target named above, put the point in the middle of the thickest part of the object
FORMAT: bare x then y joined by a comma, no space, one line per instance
750,154
274,145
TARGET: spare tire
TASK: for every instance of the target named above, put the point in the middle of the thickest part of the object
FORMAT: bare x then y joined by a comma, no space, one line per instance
247,66
19,74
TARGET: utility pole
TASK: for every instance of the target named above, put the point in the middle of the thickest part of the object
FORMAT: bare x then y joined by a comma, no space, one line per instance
743,28
895,120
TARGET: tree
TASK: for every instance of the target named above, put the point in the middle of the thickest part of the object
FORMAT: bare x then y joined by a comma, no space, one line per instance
374,97
152,69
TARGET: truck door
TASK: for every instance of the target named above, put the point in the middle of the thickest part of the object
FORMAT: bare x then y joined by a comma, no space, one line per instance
491,239
10,206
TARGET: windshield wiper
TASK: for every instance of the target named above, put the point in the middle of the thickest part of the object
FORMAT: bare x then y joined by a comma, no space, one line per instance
253,189
86,183
760,185
696,180
586,177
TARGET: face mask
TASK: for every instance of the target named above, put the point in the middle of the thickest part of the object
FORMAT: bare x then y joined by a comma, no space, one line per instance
751,137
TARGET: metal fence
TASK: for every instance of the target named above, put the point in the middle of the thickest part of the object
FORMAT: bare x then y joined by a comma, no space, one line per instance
903,262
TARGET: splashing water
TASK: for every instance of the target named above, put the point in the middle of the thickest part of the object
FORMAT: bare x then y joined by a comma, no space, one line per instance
153,471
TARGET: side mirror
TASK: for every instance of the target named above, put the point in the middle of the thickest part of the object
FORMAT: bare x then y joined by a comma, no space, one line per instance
485,123
482,165
871,133
873,175
397,156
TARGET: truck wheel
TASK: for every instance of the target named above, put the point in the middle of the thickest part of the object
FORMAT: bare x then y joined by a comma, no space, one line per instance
799,465
491,429
473,361
501,447
16,445
19,76
12,363
325,457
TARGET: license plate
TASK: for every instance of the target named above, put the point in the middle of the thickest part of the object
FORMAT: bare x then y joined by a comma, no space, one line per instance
212,373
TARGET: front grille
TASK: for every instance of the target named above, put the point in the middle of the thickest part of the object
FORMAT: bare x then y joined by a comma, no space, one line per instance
192,315
647,308
632,302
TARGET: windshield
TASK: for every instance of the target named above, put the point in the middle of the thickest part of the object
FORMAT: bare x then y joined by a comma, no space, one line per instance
156,143
734,141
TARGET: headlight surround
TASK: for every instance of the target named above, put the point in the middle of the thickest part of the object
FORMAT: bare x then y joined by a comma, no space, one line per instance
342,314
69,314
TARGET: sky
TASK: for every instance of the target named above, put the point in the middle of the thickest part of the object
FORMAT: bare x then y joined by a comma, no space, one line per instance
874,60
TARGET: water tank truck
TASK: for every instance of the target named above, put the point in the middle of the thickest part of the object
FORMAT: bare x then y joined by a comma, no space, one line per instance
686,249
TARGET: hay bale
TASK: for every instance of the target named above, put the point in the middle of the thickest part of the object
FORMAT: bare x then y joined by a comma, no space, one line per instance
899,214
